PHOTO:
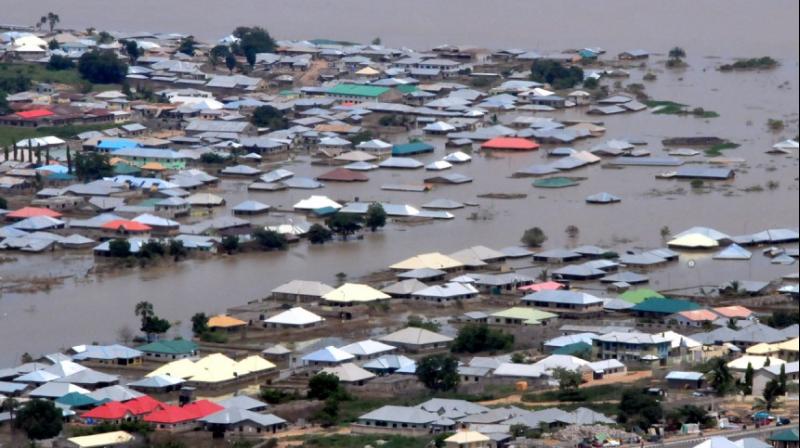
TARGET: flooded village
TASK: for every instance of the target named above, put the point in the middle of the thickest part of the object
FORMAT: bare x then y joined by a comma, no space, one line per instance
249,237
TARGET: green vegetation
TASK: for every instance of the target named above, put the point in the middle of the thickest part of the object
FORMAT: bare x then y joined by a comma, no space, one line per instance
102,67
439,373
324,385
676,55
151,324
218,54
92,166
689,414
278,396
349,440
764,62
719,376
783,318
215,337
137,426
270,239
58,62
344,224
8,133
319,234
716,150
375,217
119,248
533,237
268,116
252,40
419,322
199,323
187,45
775,125
556,74
40,419
637,409
673,108
474,338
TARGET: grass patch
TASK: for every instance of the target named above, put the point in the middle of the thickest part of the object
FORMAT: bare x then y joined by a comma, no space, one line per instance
603,392
716,150
764,62
9,134
347,441
672,108
39,73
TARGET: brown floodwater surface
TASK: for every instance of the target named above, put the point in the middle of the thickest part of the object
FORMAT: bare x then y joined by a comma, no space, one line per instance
93,308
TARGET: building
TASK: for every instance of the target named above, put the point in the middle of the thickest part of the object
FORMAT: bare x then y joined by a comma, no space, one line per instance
765,374
565,302
632,346
169,350
446,293
468,439
659,308
358,93
242,422
327,357
413,339
693,318
521,316
685,380
140,157
294,318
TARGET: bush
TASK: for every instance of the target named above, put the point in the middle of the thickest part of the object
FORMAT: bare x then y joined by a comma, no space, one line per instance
268,116
211,158
102,67
438,372
319,234
215,337
277,396
40,419
58,62
119,248
556,74
324,385
230,243
533,237
270,239
418,322
473,338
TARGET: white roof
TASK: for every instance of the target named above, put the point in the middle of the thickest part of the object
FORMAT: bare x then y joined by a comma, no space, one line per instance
457,157
303,287
316,202
415,336
355,292
367,348
294,316
349,372
328,354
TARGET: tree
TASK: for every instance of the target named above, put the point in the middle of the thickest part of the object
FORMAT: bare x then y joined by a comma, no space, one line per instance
689,414
144,310
52,20
344,224
637,409
419,322
53,45
104,37
533,237
187,45
230,243
782,379
329,414
9,405
324,385
556,74
319,234
376,41
747,388
119,248
40,419
567,379
156,325
177,249
270,239
375,217
102,67
132,50
199,323
268,116
151,249
782,318
719,377
218,53
572,231
519,358
230,62
438,373
253,40
473,338
772,390
677,53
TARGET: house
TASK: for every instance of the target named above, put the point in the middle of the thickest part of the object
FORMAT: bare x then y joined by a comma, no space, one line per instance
301,291
788,438
446,293
294,318
432,260
388,364
169,349
142,157
226,323
402,419
633,346
350,374
660,308
105,439
413,339
326,357
352,293
116,412
685,380
571,303
181,418
765,374
368,349
468,439
739,365
114,354
692,318
505,283
358,93
633,55
243,422
521,316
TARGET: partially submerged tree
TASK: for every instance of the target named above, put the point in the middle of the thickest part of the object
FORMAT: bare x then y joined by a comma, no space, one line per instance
375,217
533,237
344,224
319,234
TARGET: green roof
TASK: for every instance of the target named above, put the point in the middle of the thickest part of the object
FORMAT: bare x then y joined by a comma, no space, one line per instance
173,347
406,88
640,295
358,90
530,316
554,182
411,148
665,306
789,435
124,168
77,400
571,349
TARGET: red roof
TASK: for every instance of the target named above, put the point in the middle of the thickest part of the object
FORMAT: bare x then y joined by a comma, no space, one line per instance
733,311
29,212
544,286
177,414
343,175
511,143
115,410
128,226
35,113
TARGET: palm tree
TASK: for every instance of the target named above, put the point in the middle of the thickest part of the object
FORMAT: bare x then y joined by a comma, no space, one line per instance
9,405
144,310
52,20
719,376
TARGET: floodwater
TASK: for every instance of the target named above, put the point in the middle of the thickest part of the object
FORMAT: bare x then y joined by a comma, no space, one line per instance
90,308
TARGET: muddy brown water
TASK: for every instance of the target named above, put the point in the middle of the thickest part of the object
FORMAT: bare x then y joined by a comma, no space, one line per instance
91,308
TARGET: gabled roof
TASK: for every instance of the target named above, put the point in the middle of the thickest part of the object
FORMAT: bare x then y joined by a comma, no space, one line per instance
529,316
354,292
294,316
415,336
170,347
367,348
329,354
349,372
433,260
234,416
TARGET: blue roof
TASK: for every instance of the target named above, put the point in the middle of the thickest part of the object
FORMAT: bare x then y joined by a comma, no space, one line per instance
411,148
117,143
